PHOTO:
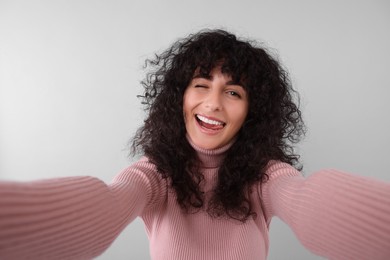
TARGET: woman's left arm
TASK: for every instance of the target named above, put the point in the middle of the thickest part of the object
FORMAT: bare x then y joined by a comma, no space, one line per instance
334,214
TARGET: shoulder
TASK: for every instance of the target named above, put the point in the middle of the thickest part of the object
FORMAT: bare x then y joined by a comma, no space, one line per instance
142,168
143,173
276,169
279,187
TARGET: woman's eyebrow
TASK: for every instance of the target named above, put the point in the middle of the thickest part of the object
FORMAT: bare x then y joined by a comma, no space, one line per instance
209,77
231,82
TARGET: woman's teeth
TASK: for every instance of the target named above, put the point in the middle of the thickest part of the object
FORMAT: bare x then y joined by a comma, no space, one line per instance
209,121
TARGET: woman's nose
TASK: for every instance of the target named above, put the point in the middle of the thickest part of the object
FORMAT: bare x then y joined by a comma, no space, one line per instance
213,101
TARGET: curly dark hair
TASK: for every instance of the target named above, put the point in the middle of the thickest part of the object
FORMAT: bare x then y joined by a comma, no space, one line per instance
273,124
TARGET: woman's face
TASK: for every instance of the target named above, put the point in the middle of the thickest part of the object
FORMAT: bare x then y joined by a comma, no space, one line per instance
214,109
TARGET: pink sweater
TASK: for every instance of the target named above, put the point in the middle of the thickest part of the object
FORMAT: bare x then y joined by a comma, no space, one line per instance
334,214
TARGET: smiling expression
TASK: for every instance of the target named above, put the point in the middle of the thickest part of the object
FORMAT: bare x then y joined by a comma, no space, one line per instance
214,108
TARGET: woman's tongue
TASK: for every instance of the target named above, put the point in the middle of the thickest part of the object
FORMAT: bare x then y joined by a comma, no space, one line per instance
210,126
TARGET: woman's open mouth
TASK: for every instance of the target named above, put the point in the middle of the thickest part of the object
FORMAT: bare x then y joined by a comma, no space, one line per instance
208,123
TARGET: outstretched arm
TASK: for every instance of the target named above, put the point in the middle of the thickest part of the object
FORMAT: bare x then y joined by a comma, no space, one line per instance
70,218
334,214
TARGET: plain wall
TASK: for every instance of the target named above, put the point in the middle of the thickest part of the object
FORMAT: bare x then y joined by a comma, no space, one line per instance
70,72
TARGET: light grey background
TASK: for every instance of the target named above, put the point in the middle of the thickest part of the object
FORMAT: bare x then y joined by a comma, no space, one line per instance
70,72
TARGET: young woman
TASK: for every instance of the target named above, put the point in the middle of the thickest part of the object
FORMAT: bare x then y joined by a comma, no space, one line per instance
219,164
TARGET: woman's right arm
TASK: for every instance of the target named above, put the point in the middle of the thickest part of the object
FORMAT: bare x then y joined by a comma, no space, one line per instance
74,217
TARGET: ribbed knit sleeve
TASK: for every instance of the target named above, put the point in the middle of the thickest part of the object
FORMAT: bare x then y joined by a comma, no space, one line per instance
334,214
70,218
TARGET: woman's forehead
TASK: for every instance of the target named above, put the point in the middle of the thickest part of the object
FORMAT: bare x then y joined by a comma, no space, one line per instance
207,71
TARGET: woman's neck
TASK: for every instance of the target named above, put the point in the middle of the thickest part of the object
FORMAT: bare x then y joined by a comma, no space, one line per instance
211,158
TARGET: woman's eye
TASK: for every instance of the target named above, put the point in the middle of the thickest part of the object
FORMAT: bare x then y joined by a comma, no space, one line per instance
233,93
200,86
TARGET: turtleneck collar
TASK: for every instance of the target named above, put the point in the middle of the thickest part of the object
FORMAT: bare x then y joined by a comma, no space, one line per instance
211,158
